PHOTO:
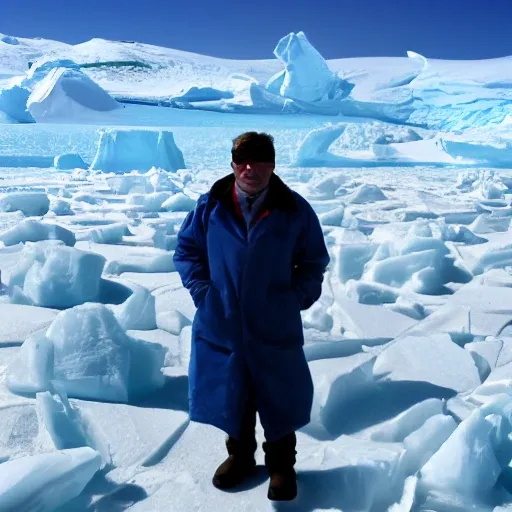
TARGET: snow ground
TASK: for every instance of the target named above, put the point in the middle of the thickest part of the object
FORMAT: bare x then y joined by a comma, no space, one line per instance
410,345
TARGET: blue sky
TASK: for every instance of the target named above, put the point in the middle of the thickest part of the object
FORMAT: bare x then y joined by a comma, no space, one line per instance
452,29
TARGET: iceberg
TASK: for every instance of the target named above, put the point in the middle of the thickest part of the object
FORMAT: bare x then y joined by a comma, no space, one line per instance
40,69
307,75
314,149
457,95
446,150
13,102
275,82
125,150
66,94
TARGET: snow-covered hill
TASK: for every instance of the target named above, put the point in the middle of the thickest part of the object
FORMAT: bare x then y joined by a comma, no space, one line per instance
412,89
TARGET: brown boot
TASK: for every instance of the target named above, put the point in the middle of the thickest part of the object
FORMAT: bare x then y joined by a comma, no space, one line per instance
233,471
280,460
240,464
283,486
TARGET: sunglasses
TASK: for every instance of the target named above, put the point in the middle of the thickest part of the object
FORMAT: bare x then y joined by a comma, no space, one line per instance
254,165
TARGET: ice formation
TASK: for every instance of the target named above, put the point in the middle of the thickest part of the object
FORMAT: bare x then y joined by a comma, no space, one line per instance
159,262
111,234
470,462
30,203
313,150
90,356
307,76
34,231
60,207
138,311
179,203
46,482
194,94
53,275
122,151
13,102
69,161
449,149
410,359
366,194
129,183
44,65
152,202
67,94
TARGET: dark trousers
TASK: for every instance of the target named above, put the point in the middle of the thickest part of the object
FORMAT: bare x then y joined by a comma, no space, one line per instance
279,455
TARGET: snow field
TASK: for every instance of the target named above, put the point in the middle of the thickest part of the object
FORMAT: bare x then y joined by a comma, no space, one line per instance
393,391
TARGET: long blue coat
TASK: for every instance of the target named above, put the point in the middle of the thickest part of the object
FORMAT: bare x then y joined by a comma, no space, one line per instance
249,287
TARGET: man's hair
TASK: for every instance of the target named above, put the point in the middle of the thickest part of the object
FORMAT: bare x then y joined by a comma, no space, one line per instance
258,147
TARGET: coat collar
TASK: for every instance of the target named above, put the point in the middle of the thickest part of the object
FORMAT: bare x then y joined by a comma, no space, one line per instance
279,196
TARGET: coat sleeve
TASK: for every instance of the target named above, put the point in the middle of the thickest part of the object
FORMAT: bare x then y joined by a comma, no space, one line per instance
310,261
190,257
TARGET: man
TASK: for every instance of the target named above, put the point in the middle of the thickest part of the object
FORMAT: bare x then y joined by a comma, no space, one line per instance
252,254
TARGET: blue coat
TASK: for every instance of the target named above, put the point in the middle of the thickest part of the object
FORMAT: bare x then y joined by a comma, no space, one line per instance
249,287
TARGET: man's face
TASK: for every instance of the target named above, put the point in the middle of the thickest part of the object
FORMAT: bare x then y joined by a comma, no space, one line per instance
252,177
